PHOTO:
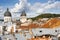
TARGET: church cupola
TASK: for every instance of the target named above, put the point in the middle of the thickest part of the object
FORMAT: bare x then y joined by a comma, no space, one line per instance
23,17
23,13
7,13
7,16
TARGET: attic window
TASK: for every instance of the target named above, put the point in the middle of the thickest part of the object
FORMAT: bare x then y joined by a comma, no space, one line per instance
55,30
40,30
16,31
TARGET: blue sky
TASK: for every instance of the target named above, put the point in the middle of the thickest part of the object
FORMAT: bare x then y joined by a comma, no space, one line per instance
12,2
7,2
31,6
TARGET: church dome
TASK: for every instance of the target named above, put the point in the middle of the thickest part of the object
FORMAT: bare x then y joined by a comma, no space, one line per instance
7,13
23,13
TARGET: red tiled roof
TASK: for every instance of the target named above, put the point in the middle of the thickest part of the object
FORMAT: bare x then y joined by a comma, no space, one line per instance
29,26
52,23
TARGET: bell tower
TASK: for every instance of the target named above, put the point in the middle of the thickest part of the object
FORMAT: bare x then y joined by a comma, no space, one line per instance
7,16
23,17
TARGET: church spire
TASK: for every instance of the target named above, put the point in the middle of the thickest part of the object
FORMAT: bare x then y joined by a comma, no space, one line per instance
7,9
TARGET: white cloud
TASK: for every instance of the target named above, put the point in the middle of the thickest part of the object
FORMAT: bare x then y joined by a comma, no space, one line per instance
44,7
19,6
1,12
36,7
1,9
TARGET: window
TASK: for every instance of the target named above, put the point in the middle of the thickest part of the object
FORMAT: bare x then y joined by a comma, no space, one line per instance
40,30
55,30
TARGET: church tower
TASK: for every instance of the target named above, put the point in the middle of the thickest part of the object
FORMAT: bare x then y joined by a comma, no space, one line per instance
7,16
23,17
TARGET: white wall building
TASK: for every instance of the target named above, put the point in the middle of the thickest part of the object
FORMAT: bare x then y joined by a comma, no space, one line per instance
8,21
1,30
23,17
7,16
